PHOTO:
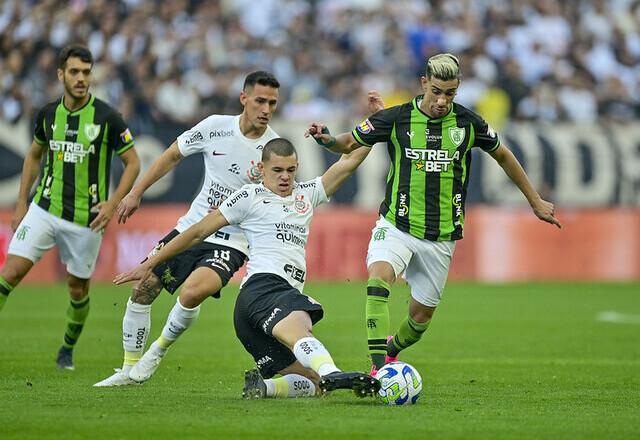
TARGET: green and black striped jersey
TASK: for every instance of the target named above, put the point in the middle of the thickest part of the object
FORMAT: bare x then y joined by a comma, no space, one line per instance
79,147
430,160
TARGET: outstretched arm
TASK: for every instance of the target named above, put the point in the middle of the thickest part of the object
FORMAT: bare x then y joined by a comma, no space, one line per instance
30,170
541,208
344,142
107,208
183,241
337,173
161,166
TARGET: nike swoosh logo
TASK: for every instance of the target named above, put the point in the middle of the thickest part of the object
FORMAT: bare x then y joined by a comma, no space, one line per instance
215,153
266,201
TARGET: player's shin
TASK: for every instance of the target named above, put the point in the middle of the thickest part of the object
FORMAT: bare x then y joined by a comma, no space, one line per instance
290,385
180,318
136,326
377,313
408,334
77,313
311,353
5,289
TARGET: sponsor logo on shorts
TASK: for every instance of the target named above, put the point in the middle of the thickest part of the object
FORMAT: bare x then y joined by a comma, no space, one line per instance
264,360
294,272
271,317
380,234
22,232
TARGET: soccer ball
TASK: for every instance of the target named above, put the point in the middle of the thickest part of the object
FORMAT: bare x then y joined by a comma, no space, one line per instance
400,384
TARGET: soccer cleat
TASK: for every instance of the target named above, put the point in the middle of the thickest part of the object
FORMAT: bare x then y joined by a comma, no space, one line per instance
254,386
65,358
388,359
362,384
148,364
119,378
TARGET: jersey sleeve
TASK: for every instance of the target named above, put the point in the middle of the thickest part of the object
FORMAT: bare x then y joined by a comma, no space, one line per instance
485,137
315,191
236,207
120,137
376,128
39,134
192,141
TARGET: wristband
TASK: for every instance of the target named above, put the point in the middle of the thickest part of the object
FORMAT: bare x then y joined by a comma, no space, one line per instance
329,144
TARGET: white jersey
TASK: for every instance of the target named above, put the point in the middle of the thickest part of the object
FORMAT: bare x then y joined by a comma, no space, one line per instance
230,161
277,227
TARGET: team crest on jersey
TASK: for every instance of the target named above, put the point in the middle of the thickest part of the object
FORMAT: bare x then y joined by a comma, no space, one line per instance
456,134
253,173
365,127
91,131
126,136
300,205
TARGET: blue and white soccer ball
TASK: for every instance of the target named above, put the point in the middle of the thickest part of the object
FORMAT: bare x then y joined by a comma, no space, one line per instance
400,384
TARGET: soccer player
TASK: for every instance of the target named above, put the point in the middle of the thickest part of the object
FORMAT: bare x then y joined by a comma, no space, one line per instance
422,215
231,147
78,134
272,318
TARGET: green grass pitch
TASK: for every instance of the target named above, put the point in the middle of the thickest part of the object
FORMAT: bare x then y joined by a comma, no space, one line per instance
525,361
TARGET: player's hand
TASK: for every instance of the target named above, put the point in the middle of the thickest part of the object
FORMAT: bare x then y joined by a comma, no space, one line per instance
374,101
140,274
127,206
546,211
18,215
105,211
319,132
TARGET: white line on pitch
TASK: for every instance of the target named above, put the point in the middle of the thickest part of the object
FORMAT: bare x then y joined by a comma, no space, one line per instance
618,318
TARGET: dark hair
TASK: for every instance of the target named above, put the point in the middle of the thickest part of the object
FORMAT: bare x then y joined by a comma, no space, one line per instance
260,77
74,50
280,147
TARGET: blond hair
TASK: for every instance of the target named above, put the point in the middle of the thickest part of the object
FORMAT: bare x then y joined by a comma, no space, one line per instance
443,66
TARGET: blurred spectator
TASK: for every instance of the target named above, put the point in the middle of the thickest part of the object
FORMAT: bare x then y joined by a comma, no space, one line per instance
178,61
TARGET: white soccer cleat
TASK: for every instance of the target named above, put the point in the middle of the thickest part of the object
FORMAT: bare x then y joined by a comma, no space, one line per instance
148,364
118,379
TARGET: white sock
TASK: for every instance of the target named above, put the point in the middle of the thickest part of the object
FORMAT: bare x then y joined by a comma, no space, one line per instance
290,385
180,318
312,354
136,325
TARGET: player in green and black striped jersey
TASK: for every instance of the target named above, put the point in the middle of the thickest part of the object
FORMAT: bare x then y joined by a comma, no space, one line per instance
78,135
429,141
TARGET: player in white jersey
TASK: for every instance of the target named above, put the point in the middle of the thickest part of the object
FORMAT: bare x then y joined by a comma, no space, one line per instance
231,147
272,318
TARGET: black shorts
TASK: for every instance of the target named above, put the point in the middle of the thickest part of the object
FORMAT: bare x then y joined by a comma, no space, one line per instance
264,300
223,260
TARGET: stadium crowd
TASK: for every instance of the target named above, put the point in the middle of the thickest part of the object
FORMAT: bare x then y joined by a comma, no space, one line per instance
178,61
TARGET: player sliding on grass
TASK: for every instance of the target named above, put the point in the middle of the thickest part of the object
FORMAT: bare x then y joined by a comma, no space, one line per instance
272,318
422,215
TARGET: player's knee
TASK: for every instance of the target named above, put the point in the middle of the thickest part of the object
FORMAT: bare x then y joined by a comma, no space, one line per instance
13,271
382,271
422,315
78,288
191,296
145,293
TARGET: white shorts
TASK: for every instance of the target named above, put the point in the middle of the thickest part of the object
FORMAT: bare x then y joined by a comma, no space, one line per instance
425,263
39,231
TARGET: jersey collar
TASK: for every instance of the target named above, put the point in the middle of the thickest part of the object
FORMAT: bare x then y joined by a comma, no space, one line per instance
416,105
89,102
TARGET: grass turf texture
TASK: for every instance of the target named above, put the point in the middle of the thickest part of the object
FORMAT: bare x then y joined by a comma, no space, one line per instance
525,361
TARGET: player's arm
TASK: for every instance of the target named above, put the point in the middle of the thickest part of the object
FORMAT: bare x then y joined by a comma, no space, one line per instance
345,142
337,173
161,166
541,208
107,208
30,171
209,224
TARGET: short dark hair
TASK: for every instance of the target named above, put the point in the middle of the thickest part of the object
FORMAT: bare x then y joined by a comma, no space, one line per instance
74,50
280,147
260,77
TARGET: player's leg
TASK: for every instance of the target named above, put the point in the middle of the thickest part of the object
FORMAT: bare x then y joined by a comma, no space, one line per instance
198,286
33,237
76,316
426,274
79,247
387,257
15,268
